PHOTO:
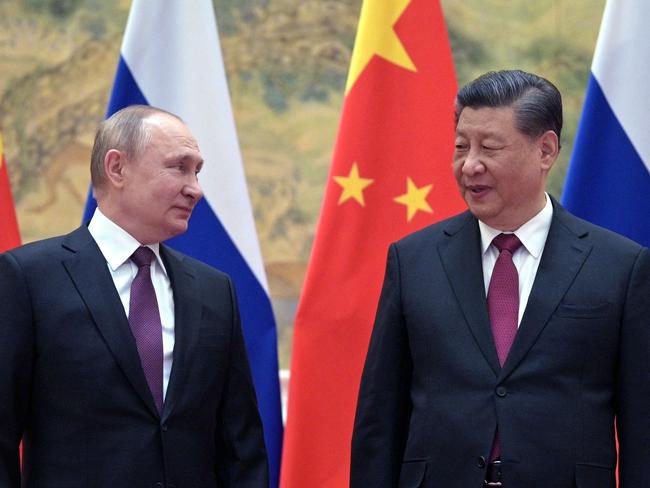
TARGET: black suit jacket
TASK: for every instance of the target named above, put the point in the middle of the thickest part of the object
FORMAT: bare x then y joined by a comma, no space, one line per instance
72,385
432,391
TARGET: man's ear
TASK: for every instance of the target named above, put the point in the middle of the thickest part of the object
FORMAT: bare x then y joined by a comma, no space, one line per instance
549,146
114,164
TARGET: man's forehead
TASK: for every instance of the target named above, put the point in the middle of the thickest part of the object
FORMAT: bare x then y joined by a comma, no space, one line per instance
167,127
483,132
485,121
163,122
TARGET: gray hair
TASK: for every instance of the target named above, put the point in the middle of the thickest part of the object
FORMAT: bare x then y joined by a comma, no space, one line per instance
536,101
125,131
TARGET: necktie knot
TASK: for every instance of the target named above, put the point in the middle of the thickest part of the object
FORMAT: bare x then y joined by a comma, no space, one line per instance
142,256
507,242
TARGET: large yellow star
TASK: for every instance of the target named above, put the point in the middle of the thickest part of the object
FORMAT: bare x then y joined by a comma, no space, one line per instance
415,199
375,35
353,185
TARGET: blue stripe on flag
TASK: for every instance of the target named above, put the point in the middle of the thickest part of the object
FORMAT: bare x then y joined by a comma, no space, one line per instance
607,182
125,92
208,241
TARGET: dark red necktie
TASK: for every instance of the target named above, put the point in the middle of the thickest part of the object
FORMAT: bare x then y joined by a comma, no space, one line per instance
503,295
144,319
503,304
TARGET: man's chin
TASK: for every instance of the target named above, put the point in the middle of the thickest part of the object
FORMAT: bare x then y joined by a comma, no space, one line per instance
474,207
177,228
482,212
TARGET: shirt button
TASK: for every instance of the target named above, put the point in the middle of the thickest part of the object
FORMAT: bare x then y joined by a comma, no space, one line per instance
480,462
502,391
164,427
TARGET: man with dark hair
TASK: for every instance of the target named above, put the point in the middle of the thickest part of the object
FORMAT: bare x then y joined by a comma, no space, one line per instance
509,338
123,362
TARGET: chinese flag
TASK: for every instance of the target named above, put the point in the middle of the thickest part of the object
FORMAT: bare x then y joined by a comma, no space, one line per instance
391,175
9,235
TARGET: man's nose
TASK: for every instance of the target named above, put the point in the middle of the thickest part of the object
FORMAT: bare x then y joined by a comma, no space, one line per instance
193,190
473,164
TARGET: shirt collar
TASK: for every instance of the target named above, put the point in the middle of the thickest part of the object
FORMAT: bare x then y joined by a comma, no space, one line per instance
116,244
532,234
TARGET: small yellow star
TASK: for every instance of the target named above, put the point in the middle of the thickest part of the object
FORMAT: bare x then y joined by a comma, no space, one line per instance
376,35
353,185
415,199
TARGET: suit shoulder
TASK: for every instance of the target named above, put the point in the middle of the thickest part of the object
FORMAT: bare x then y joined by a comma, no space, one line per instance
42,250
600,237
431,234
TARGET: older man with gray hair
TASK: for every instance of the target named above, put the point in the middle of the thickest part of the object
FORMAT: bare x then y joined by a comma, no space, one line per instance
123,362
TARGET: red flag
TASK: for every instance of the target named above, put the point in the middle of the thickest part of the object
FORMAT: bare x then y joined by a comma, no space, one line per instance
9,235
391,175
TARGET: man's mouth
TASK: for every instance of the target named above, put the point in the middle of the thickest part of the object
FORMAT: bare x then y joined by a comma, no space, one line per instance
478,190
185,209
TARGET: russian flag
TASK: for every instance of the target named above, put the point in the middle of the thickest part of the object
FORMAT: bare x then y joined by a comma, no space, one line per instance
171,59
608,181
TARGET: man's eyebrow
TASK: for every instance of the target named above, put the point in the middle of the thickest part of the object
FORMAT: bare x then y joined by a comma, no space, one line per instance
483,133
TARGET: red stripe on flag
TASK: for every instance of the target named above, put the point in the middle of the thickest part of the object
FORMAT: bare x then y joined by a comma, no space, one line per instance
9,234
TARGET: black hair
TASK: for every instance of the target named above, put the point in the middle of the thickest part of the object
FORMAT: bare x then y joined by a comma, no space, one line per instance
536,101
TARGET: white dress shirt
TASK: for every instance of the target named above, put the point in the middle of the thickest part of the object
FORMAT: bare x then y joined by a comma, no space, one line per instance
526,259
117,246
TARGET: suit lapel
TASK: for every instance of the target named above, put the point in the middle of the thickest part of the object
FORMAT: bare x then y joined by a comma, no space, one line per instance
460,254
564,254
187,316
87,269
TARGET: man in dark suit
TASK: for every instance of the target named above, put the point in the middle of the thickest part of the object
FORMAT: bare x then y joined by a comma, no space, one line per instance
504,360
122,361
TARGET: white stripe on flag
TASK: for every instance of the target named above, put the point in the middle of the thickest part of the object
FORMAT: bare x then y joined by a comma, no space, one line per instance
622,67
187,55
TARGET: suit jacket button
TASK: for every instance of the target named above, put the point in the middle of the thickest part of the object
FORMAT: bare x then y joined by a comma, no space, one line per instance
158,485
480,462
502,391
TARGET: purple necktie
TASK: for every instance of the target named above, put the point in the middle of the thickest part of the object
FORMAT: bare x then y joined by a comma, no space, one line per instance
144,319
503,304
503,295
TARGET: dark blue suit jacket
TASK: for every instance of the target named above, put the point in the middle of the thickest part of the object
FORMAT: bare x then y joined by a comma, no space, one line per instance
72,385
432,391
